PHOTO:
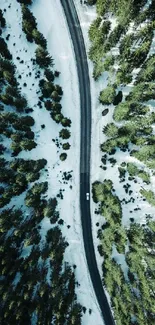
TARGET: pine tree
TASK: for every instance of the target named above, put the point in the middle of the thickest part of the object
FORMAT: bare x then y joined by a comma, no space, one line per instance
43,58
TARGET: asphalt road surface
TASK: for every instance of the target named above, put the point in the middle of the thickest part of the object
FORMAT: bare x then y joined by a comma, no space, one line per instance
85,143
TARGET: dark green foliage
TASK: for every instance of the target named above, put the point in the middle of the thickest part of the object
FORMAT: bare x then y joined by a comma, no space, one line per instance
142,92
49,75
43,59
33,196
107,95
66,146
4,49
47,87
28,22
55,96
128,110
133,124
39,38
32,260
26,2
111,130
65,121
50,208
2,19
63,156
147,71
64,134
141,243
114,37
59,287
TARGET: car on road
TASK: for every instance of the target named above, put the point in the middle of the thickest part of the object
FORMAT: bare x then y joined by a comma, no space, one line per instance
87,196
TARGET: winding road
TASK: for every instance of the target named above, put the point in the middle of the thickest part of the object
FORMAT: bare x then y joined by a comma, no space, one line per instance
85,142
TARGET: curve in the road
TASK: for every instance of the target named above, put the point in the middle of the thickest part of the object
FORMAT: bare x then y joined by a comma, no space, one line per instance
85,103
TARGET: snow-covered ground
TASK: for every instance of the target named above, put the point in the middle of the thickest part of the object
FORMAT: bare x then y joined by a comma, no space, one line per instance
52,23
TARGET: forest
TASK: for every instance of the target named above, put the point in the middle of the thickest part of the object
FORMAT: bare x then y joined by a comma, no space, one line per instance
36,285
122,48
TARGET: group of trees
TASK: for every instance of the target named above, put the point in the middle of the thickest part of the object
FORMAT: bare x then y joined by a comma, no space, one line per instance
36,284
51,95
133,47
18,130
51,92
119,51
132,296
15,175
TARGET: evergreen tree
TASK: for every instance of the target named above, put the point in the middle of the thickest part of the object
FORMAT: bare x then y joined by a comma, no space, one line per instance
64,134
39,38
43,59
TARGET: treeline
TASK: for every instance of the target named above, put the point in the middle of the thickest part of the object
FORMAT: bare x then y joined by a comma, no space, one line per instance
132,295
36,286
